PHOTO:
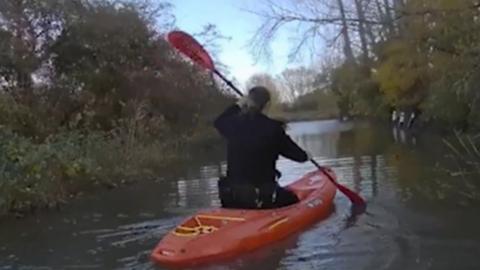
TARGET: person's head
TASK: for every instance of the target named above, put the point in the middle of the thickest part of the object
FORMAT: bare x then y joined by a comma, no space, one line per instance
260,96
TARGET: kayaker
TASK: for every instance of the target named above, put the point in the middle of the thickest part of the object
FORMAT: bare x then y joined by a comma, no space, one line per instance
254,143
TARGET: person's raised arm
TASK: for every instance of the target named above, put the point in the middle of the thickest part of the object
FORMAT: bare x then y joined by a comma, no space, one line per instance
290,150
224,122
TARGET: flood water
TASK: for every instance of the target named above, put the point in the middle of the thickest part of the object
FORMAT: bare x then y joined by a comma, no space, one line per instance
419,216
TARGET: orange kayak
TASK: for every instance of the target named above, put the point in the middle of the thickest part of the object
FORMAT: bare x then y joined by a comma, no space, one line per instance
221,233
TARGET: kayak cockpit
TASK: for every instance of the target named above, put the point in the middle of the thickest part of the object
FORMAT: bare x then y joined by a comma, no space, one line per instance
204,224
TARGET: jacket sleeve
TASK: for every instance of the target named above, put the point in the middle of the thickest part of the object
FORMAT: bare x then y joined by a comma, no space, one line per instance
225,122
290,150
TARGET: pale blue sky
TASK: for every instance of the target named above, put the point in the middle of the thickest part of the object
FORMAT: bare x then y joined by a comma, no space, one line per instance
233,21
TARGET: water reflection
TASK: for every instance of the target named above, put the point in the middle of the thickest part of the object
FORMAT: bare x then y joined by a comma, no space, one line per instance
404,136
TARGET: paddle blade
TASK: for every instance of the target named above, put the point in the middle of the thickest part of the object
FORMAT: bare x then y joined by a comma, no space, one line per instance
191,48
354,197
356,200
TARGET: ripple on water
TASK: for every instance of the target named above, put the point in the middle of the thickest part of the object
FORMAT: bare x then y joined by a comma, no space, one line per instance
413,219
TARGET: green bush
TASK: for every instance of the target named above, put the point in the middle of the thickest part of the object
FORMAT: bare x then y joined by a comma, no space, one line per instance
42,174
83,104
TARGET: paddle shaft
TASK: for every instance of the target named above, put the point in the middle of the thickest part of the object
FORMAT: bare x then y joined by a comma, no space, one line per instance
354,198
322,169
229,83
194,50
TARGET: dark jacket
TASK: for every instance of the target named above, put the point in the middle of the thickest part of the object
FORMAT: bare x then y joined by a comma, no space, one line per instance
254,143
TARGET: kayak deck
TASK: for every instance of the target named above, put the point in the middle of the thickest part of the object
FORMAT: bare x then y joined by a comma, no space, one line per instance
221,233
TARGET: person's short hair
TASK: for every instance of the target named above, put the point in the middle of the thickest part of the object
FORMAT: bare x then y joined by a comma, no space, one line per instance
260,96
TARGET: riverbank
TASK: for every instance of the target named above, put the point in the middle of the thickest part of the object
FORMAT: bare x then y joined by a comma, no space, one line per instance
297,116
68,165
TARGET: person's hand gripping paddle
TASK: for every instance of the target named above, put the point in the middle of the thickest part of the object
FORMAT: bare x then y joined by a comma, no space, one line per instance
190,47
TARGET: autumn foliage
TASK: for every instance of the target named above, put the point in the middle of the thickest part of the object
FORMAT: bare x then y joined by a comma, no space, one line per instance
91,94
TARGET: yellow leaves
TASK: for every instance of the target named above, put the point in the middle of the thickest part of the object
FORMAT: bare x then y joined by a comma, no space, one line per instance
345,78
438,6
451,4
35,169
74,168
402,73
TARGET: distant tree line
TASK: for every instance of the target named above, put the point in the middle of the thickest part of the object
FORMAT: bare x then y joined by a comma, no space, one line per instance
418,55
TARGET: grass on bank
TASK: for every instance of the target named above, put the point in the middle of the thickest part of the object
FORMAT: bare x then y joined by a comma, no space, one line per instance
43,175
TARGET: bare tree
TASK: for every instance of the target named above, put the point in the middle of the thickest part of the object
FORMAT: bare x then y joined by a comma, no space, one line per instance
352,22
362,31
262,79
296,82
314,20
268,81
372,37
399,9
347,43
389,16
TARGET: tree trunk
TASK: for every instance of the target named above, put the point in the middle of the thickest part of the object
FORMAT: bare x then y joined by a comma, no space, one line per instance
383,19
362,31
398,7
389,17
371,36
347,46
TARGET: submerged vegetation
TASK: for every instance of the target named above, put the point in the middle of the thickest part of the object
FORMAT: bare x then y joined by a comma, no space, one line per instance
465,151
91,95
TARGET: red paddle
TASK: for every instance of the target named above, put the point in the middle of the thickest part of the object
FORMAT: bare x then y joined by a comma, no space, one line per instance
189,47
